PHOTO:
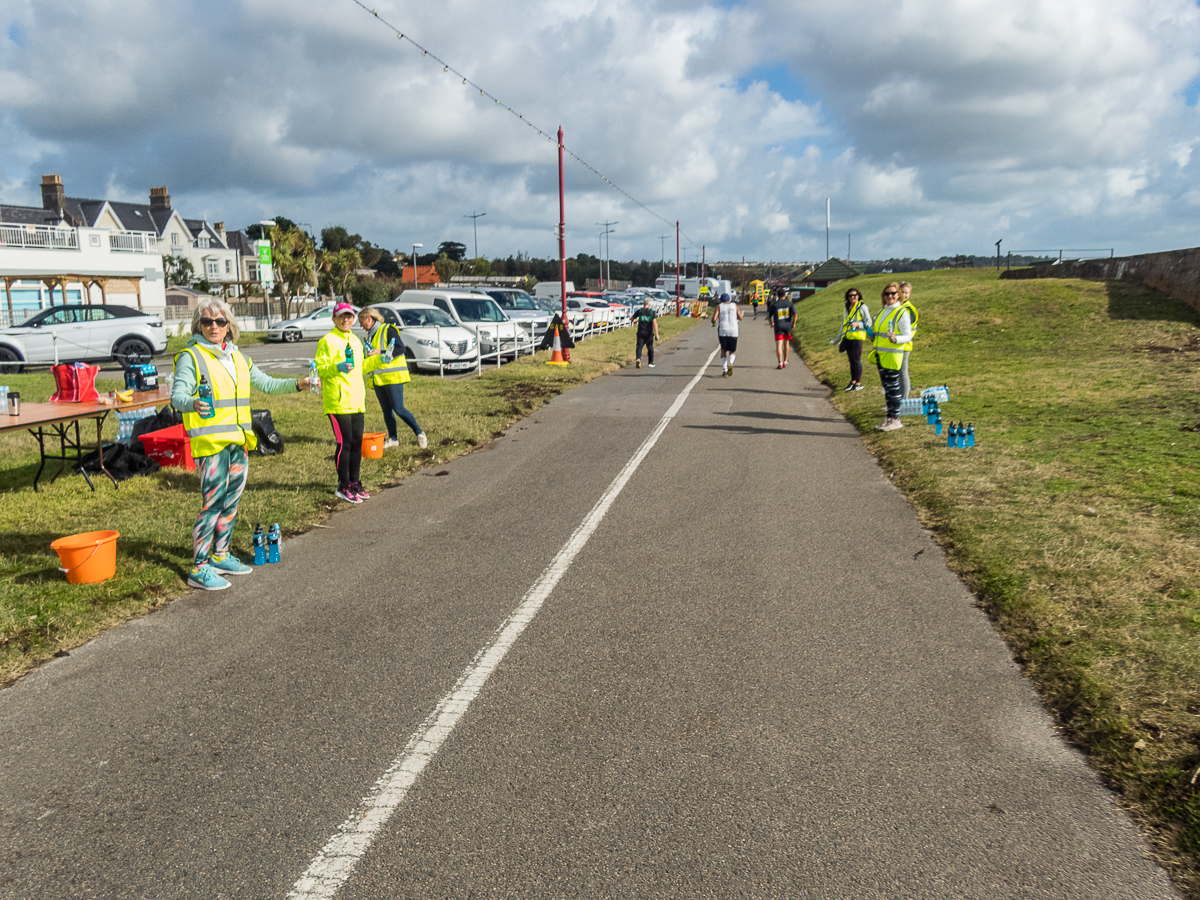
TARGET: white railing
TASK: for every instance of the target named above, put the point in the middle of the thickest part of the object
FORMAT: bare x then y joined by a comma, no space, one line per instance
39,237
133,242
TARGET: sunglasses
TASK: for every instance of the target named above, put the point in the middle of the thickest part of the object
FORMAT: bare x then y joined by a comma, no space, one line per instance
889,293
207,322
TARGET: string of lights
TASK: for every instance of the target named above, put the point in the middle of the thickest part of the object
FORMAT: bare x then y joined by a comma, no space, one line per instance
483,92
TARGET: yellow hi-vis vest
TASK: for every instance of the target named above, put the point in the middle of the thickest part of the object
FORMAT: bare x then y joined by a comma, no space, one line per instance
380,373
853,325
341,392
912,321
230,422
887,353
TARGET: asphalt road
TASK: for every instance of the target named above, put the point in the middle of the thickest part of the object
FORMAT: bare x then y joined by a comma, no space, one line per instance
754,677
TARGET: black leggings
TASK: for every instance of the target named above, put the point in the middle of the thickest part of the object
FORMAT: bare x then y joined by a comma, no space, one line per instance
890,378
348,432
854,354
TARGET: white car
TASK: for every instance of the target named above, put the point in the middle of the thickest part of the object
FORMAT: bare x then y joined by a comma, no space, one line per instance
310,327
430,336
79,332
520,307
480,315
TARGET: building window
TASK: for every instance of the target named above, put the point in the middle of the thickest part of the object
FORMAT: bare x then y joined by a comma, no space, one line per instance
174,238
212,268
202,243
228,267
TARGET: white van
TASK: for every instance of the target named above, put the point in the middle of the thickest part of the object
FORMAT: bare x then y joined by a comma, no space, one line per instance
480,315
552,289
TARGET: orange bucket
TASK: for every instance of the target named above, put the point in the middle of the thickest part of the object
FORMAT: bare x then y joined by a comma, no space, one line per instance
89,557
373,444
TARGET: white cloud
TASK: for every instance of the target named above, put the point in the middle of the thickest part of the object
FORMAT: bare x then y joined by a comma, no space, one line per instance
933,127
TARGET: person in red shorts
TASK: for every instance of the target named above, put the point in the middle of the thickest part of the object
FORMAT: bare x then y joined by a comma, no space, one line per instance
783,317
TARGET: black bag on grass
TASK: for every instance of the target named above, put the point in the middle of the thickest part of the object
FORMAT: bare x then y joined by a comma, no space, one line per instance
270,441
121,461
164,418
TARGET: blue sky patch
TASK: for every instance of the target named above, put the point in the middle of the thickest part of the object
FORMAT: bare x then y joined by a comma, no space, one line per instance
16,34
1191,93
780,79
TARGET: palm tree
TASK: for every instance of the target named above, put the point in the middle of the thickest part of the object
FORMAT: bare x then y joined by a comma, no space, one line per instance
294,257
339,268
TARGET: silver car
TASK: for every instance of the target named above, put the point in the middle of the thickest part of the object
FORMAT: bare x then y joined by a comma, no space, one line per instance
431,337
82,332
310,327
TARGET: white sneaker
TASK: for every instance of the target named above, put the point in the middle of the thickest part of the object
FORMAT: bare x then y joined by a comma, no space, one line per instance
389,443
652,365
637,363
422,441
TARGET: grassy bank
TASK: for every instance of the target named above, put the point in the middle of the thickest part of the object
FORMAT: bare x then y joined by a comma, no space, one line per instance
1076,517
41,614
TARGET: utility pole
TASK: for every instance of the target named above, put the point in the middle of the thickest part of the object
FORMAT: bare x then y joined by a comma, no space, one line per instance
998,255
827,228
605,277
473,216
663,243
678,284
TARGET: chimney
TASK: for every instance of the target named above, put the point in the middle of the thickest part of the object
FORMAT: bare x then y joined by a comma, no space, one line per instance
160,198
53,194
219,228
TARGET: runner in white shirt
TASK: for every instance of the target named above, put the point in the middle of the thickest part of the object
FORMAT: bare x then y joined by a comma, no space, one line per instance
726,316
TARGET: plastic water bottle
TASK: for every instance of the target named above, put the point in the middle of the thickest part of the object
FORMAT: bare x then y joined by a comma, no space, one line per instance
391,351
313,378
260,546
273,544
204,392
970,435
952,435
962,436
349,356
937,424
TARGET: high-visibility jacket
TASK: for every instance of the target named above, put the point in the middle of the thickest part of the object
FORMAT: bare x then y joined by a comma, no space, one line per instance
230,422
887,353
854,322
341,392
380,373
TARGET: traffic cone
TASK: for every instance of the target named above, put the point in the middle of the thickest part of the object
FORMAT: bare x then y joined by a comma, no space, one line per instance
556,357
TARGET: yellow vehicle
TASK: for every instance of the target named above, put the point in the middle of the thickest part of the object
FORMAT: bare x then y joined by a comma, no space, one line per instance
758,293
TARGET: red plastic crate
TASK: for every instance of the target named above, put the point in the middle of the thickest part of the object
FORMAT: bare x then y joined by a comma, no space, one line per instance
170,447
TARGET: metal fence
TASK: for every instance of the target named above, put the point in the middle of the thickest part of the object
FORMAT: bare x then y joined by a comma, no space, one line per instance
39,237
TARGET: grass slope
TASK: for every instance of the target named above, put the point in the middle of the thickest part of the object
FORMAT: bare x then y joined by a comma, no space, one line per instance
1075,519
41,615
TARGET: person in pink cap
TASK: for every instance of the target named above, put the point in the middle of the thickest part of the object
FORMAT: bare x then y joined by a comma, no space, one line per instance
339,361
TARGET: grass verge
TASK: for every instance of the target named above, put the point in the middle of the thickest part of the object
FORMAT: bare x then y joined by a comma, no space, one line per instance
41,615
1075,518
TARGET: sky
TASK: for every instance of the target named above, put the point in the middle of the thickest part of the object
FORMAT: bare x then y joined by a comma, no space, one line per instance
931,127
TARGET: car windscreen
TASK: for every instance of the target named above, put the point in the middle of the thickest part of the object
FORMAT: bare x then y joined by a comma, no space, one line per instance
481,310
513,300
425,318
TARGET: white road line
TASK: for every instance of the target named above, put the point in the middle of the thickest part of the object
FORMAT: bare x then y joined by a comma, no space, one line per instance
333,865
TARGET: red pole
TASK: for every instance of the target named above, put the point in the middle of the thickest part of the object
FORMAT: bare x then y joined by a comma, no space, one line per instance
703,264
562,237
678,285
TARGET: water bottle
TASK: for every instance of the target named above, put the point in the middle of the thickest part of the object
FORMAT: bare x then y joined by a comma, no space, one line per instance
970,435
204,392
273,544
962,436
349,356
952,435
391,351
3,398
937,424
260,546
313,378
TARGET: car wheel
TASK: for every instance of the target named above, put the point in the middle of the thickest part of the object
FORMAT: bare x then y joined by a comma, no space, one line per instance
409,354
291,335
133,352
10,361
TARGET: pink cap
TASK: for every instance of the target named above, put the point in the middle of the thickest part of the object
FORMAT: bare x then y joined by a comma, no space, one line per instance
342,308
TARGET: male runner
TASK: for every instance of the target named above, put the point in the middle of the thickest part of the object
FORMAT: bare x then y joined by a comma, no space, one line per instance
783,317
726,317
647,333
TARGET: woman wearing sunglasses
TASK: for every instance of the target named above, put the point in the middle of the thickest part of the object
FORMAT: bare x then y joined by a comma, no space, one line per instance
856,321
890,332
220,434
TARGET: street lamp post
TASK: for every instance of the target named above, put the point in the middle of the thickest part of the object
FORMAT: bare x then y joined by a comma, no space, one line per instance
473,216
266,283
414,259
604,234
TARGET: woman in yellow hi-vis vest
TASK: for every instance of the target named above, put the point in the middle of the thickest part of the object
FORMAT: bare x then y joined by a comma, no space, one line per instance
387,372
855,322
220,434
339,361
890,332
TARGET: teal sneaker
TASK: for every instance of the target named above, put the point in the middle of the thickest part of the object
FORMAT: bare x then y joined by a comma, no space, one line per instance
230,565
207,580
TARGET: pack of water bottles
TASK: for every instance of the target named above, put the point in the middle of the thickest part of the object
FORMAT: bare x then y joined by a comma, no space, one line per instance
957,436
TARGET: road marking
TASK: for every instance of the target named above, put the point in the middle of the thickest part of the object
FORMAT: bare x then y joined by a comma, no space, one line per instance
333,865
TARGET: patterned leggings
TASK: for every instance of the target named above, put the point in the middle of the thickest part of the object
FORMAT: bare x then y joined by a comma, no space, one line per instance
222,480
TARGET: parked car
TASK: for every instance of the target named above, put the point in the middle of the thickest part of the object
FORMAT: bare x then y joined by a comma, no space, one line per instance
520,307
430,335
310,327
82,332
480,315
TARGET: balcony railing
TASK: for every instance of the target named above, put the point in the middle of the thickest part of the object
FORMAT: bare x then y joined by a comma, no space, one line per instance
39,237
133,242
